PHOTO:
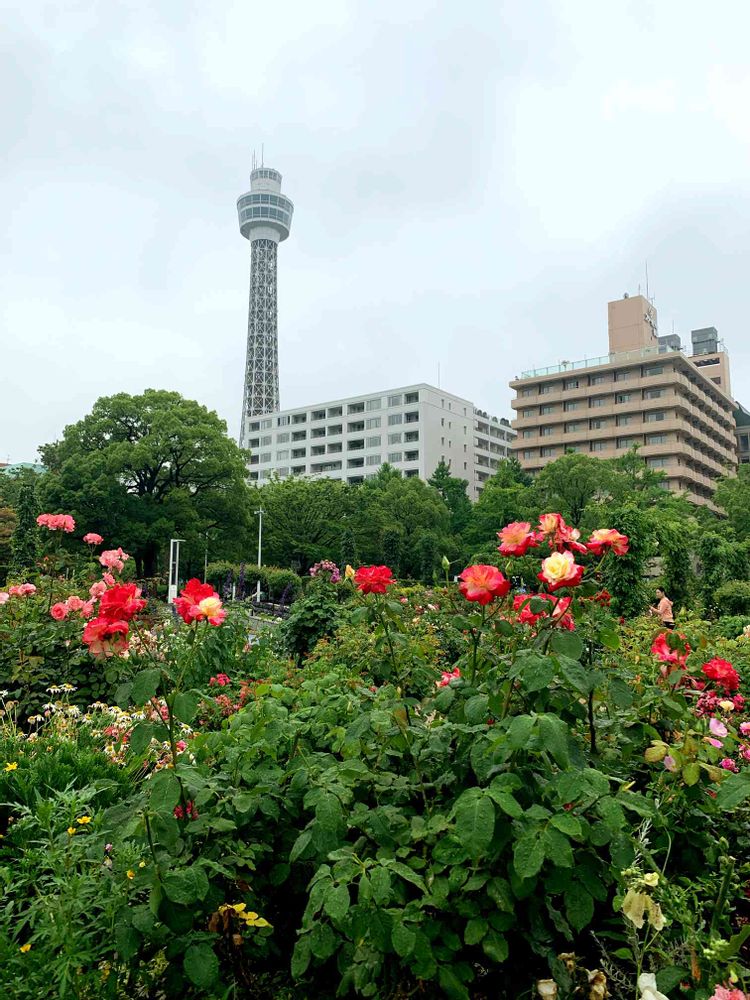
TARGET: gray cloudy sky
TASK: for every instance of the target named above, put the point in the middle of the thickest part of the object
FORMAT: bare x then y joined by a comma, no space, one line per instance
472,182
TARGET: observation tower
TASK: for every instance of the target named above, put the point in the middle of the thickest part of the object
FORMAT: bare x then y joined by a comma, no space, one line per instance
265,217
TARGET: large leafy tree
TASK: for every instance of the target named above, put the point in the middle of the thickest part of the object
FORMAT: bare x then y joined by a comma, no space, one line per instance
142,469
733,496
506,496
571,482
24,543
453,491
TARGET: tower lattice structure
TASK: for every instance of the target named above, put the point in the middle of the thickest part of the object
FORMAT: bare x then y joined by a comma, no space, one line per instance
265,218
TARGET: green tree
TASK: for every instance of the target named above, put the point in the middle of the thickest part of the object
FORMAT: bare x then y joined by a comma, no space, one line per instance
348,548
455,497
506,496
624,575
571,482
141,469
392,547
24,543
303,520
733,496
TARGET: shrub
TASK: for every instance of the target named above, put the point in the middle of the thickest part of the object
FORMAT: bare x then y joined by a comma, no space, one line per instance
730,626
733,597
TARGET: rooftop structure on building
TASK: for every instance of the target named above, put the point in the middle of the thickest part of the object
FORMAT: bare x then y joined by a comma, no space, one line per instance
412,428
16,468
646,392
265,218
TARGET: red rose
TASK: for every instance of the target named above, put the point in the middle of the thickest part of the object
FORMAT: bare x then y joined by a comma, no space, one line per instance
373,579
483,584
121,602
723,673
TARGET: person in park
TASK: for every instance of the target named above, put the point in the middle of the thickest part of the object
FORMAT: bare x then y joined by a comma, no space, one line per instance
663,608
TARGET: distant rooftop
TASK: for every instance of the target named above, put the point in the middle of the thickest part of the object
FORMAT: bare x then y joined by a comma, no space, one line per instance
605,359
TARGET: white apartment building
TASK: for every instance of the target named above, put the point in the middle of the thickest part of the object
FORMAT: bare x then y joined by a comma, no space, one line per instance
412,428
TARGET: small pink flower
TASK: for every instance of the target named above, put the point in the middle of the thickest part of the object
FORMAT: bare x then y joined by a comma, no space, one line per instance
56,522
87,609
59,611
4,596
717,728
180,745
92,538
109,579
74,603
745,728
670,763
97,589
728,764
714,743
22,590
447,676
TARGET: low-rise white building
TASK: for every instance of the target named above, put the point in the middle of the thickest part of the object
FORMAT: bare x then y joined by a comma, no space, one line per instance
412,428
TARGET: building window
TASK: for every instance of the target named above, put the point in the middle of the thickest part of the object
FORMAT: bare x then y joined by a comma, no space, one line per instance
299,435
597,445
283,437
316,449
572,383
546,389
599,379
653,369
255,425
546,431
265,457
299,452
528,392
318,415
356,445
656,439
598,401
372,422
374,404
266,440
282,472
355,426
623,397
652,393
571,405
281,455
335,429
526,434
623,376
395,418
335,449
373,459
626,442
355,463
413,397
411,473
411,456
394,438
414,436
253,442
394,456
316,432
598,422
299,418
335,411
528,453
266,424
413,417
394,400
545,410
624,420
526,414
656,463
356,407
574,426
283,421
652,418
373,442
547,452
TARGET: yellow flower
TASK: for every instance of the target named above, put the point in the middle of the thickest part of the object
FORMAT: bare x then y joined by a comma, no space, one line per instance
130,874
349,573
12,766
634,906
83,820
238,907
71,831
727,705
256,921
651,879
24,948
141,864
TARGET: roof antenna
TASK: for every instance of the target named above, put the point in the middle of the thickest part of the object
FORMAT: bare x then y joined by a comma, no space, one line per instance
262,154
647,295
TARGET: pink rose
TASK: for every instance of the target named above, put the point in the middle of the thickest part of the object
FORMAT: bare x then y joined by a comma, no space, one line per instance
74,603
728,764
59,611
717,728
4,596
92,538
670,763
87,609
745,728
109,579
97,589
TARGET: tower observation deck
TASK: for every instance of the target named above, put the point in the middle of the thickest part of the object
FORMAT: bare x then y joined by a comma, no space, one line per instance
265,218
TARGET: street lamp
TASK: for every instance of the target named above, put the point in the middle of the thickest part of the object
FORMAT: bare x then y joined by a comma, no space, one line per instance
260,512
174,568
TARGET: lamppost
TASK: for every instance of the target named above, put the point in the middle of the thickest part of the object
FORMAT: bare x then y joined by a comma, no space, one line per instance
260,512
174,568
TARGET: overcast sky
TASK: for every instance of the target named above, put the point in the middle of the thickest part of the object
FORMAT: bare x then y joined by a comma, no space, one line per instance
472,183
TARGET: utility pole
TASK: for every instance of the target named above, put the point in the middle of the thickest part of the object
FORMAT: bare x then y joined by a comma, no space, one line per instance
174,568
260,512
205,560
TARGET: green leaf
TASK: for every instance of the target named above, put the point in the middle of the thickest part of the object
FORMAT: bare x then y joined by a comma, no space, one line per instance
557,848
244,801
475,821
201,965
476,709
505,801
336,902
127,941
380,880
579,906
691,773
567,824
145,685
188,885
299,846
403,939
475,930
567,644
164,791
323,941
620,693
451,985
671,977
495,947
519,731
140,738
733,790
575,675
528,854
534,670
185,705
609,638
301,957
554,738
406,873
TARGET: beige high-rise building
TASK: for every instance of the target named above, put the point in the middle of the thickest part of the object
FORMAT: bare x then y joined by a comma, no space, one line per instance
675,407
